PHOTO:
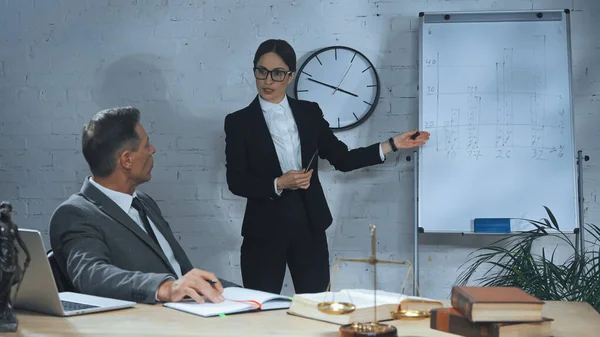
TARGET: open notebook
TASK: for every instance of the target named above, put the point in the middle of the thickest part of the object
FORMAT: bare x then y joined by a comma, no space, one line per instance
237,300
305,305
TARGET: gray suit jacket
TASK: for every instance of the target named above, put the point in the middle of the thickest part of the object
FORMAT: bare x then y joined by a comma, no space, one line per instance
105,253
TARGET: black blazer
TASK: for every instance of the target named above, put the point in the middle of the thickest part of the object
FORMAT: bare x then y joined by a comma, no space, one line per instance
252,164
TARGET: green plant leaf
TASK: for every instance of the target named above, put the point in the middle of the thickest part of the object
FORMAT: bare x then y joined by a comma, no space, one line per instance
552,218
509,261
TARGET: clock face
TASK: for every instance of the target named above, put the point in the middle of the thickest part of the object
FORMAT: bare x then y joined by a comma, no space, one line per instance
343,82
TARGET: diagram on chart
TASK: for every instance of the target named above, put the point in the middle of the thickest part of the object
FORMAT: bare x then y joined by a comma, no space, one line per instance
505,104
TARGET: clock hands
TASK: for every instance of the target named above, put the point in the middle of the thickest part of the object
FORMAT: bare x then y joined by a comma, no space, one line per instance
332,87
342,80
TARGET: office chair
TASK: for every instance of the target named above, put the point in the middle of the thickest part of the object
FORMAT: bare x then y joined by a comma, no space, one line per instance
61,280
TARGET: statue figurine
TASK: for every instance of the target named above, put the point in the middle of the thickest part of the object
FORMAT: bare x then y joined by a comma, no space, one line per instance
10,272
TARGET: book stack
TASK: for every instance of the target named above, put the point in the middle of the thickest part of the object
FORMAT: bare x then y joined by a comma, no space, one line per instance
492,312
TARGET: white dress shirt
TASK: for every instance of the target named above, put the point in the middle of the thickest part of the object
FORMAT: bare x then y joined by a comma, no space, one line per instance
124,200
284,132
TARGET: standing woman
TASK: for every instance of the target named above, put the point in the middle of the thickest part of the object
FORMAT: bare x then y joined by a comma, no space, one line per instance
269,145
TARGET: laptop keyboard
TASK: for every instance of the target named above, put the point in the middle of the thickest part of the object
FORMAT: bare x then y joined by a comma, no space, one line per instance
71,306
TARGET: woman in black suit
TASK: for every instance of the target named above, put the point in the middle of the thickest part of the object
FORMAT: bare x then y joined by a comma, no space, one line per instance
268,147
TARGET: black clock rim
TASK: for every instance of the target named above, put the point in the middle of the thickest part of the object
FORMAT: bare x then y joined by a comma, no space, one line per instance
377,93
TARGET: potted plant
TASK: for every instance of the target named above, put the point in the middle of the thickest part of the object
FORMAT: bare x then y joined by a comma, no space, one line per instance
510,262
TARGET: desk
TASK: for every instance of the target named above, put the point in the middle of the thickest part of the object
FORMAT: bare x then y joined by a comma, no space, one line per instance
572,319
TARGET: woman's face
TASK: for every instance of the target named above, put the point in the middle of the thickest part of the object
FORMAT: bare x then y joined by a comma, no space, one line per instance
269,89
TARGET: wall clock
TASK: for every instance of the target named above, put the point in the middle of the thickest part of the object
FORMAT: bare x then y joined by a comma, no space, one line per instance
343,82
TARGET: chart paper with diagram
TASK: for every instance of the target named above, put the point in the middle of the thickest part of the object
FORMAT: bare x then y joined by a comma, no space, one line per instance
495,95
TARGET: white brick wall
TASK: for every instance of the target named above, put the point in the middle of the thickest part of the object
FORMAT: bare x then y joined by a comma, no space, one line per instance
186,64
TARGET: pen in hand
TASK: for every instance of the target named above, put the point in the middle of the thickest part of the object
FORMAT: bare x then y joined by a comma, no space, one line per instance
186,298
311,161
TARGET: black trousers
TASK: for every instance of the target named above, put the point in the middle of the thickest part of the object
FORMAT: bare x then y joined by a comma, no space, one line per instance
263,260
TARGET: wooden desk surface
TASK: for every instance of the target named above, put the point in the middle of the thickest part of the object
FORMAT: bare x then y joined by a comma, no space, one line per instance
572,319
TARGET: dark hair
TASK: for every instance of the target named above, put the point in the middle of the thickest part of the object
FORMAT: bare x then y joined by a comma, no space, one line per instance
279,47
108,132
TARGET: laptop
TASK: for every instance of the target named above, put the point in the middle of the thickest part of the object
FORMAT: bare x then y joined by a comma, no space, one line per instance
38,290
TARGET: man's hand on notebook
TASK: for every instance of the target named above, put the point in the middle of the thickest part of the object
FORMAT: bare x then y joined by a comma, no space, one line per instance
196,284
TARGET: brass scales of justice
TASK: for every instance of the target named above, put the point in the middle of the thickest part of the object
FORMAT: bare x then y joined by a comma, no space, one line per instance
373,328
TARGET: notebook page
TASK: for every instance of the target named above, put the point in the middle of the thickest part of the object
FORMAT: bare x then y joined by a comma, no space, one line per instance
383,297
361,298
210,309
276,304
243,294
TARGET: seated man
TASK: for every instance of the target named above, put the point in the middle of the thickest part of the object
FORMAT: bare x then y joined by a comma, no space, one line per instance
112,240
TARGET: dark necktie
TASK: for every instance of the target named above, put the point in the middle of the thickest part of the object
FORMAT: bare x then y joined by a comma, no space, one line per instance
137,204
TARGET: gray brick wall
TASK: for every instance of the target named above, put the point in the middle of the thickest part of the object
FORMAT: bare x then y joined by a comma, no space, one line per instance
186,64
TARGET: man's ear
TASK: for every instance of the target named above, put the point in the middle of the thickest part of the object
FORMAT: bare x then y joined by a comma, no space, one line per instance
125,158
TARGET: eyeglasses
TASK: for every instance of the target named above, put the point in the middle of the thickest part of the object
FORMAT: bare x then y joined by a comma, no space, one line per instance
277,75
